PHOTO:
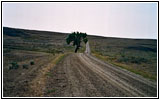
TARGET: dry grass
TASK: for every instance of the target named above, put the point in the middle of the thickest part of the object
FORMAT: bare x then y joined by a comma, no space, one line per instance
128,67
37,86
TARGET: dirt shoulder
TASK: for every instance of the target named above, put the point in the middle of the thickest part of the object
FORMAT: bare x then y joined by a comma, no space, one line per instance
31,81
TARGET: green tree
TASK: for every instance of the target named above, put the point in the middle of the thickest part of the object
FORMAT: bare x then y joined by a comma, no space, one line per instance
76,38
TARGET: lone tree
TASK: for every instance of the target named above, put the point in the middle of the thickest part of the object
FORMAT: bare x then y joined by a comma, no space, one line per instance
76,38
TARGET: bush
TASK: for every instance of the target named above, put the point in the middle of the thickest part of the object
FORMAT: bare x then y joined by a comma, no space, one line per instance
32,62
14,65
10,67
25,66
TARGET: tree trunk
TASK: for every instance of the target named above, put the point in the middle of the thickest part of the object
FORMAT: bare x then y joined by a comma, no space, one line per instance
77,47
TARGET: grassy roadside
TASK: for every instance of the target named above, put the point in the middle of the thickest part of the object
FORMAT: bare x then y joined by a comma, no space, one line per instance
125,66
59,58
55,61
40,80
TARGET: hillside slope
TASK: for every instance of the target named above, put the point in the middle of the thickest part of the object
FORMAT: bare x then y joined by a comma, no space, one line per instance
58,72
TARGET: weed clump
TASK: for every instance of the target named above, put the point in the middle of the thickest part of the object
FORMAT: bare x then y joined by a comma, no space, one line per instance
25,66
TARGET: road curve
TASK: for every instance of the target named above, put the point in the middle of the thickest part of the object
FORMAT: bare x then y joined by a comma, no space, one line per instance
83,75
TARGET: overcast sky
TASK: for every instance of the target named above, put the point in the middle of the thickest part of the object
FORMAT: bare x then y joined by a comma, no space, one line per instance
129,20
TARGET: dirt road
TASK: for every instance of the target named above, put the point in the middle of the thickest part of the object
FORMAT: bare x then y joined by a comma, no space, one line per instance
82,75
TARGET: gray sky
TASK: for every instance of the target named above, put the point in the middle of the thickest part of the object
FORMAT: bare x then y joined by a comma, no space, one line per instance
129,20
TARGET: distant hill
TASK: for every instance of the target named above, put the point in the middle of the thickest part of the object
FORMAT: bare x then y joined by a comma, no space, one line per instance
25,32
14,32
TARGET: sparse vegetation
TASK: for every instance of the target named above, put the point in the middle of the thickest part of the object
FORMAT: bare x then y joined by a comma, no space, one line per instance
132,59
128,67
54,51
136,55
60,57
49,74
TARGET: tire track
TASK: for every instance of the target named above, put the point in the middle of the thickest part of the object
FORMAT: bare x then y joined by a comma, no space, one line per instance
118,79
87,76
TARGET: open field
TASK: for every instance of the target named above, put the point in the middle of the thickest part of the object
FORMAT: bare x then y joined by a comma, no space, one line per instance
57,71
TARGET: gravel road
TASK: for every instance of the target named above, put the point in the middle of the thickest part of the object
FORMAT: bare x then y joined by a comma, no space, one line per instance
83,75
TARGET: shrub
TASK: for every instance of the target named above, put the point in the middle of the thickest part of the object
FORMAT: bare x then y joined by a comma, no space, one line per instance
25,66
10,67
50,91
14,65
32,62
